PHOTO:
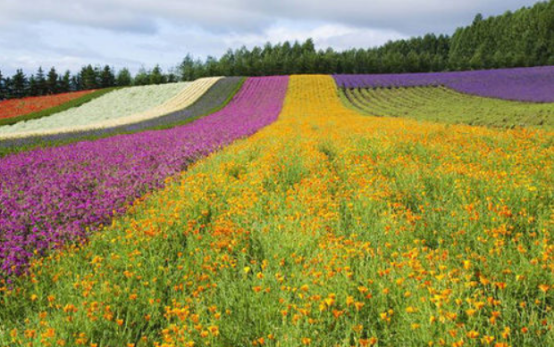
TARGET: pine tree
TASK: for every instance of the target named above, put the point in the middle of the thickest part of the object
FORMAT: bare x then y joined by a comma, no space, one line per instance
52,86
41,88
76,83
172,76
412,63
156,76
124,78
142,77
33,87
107,77
8,87
88,78
187,68
65,82
19,84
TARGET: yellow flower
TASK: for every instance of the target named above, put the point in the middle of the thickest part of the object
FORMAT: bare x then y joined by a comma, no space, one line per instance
349,300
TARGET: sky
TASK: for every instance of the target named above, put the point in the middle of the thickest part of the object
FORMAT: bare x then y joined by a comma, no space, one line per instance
68,34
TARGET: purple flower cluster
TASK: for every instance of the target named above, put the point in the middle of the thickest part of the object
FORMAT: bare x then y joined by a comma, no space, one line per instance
524,84
51,196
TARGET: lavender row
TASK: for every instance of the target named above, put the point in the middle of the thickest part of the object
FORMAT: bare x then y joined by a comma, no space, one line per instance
49,197
523,84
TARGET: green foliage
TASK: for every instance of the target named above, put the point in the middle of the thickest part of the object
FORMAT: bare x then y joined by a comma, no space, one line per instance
52,83
124,78
521,38
18,84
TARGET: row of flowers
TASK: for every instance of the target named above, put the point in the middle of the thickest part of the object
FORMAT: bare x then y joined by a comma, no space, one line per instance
18,107
121,105
326,228
51,196
523,84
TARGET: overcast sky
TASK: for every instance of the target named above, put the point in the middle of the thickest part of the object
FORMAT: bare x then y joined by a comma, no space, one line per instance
70,33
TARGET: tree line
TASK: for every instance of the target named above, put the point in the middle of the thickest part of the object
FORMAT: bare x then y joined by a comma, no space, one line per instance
514,39
40,83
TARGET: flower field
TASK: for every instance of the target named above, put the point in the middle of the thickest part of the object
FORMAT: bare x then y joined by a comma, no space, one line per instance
439,104
327,227
120,103
523,84
72,191
215,96
183,99
19,107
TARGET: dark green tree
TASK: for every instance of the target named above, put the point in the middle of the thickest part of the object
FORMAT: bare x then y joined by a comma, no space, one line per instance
32,90
88,78
64,82
41,87
187,68
107,77
124,78
142,78
52,86
19,84
156,76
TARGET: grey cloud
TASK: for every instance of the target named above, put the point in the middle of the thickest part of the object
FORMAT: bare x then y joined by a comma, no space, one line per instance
69,33
412,17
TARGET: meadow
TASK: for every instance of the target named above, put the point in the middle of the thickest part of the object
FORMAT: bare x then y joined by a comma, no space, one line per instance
290,211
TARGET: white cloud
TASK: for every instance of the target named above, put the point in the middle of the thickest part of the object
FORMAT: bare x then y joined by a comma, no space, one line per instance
338,36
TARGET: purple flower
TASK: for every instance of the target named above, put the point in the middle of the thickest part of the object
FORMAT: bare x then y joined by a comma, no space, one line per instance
524,84
50,196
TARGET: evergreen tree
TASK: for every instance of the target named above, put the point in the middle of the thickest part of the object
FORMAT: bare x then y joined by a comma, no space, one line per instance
124,78
88,78
52,86
76,83
412,63
142,78
33,87
107,77
156,76
64,82
187,68
41,88
19,85
172,76
8,87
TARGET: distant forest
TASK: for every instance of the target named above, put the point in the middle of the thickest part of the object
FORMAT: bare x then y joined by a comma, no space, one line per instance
515,39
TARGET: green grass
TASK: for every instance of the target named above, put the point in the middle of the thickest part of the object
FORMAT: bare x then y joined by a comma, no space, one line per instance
440,104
